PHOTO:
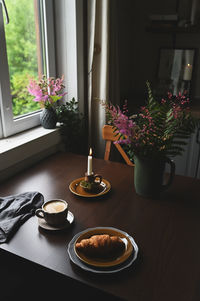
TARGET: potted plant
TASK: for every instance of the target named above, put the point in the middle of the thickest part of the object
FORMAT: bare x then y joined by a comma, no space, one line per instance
72,127
47,92
153,136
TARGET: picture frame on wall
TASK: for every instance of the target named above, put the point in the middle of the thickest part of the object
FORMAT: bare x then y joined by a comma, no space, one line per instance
175,70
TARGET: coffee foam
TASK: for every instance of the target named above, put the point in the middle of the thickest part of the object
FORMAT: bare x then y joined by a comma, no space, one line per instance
55,207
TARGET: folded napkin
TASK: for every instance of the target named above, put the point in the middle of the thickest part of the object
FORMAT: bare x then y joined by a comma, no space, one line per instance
15,210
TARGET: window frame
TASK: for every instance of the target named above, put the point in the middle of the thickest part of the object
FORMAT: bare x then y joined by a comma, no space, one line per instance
8,125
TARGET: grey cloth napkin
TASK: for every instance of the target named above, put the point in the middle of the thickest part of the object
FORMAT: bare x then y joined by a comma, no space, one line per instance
15,210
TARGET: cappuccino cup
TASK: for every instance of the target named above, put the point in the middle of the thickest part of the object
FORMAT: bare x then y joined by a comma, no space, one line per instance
54,212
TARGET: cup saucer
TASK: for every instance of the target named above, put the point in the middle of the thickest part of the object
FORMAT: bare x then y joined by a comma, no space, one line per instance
69,220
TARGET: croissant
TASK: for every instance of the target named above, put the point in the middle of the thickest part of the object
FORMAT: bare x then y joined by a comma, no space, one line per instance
101,246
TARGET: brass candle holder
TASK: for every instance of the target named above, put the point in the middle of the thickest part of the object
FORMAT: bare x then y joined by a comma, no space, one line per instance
91,182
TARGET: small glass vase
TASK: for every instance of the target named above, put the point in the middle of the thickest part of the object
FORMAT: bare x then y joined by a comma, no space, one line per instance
48,118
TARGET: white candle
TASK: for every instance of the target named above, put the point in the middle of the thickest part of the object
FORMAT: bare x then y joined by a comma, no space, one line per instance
187,72
89,168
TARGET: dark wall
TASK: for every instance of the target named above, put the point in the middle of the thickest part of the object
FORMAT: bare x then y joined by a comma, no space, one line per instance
139,48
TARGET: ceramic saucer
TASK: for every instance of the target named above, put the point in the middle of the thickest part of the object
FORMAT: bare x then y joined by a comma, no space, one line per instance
43,224
75,188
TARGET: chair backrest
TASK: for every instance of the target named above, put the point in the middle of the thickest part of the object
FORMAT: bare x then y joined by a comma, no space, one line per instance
110,137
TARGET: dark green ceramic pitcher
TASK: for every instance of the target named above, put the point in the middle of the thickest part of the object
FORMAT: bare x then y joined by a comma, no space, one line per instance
149,173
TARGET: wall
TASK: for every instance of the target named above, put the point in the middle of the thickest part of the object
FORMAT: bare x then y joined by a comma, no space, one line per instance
139,57
70,47
139,49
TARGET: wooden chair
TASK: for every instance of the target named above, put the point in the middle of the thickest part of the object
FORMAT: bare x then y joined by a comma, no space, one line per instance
110,137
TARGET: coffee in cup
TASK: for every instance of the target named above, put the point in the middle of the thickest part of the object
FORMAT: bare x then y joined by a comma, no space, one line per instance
54,212
54,206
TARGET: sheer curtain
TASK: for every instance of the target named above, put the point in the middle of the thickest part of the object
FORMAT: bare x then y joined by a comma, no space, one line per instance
98,70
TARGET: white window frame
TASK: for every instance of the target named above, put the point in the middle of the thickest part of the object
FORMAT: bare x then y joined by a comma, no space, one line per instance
9,125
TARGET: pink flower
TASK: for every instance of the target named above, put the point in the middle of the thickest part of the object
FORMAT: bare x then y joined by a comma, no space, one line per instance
169,94
47,90
151,130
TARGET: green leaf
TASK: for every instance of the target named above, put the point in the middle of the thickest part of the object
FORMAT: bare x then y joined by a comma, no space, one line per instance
55,97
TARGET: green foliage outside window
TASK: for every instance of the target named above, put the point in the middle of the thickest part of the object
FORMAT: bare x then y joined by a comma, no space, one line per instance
22,53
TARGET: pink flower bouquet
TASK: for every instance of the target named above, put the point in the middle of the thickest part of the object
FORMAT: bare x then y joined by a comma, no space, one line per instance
161,128
47,91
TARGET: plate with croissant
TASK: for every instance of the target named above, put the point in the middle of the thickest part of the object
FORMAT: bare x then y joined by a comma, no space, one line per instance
104,248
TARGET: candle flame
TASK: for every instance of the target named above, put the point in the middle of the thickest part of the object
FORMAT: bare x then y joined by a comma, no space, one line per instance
90,153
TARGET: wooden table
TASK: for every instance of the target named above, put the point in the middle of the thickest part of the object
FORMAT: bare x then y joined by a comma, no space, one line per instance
167,232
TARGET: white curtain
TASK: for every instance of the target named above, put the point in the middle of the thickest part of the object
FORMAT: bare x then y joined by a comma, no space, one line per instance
98,73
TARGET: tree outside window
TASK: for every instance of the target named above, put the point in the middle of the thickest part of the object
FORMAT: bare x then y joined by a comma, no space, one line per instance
23,53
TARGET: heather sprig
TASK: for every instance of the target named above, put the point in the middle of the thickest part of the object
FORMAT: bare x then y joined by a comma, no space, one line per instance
160,128
47,91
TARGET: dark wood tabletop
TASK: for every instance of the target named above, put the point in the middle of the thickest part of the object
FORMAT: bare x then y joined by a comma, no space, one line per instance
166,230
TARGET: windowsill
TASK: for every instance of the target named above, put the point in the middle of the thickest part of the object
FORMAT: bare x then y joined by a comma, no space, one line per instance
7,144
22,150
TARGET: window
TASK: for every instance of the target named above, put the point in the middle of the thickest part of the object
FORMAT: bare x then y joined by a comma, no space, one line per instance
26,50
